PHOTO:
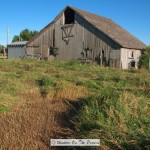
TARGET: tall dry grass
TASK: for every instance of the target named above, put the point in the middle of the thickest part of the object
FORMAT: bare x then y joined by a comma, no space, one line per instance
40,100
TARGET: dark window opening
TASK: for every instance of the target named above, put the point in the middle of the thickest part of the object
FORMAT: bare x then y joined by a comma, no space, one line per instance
86,52
82,53
103,54
133,64
103,58
54,38
53,51
69,16
132,55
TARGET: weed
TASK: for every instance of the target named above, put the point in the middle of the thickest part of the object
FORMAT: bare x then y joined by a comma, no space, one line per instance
4,108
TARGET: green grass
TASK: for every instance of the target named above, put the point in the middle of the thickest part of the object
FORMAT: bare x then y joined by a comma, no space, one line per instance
115,108
2,57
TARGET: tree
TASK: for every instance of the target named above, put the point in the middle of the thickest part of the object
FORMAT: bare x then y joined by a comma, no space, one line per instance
34,32
25,35
1,48
15,38
144,59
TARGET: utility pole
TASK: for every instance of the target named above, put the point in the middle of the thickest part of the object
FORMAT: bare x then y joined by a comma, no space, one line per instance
19,38
4,52
7,35
7,42
149,62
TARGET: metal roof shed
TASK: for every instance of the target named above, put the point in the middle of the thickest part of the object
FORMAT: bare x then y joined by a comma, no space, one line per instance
16,49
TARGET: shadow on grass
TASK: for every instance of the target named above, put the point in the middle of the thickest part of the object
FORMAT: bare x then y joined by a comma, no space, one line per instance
66,121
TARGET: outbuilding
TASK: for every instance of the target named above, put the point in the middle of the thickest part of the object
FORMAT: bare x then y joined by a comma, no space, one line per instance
16,49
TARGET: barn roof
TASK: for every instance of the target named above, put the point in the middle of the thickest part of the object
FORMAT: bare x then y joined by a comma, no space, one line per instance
111,29
105,25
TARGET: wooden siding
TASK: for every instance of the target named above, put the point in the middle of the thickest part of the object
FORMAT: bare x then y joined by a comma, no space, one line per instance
126,59
91,38
83,36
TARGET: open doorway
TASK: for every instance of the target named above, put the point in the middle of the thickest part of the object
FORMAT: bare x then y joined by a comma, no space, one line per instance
133,64
69,16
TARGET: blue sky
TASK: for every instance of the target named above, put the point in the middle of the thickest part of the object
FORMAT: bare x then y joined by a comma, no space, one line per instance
133,15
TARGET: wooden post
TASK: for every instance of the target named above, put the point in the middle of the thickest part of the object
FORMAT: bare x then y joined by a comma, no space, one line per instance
101,61
41,45
149,62
4,52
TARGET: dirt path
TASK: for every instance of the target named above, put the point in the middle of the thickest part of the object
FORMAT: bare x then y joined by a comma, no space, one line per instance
32,124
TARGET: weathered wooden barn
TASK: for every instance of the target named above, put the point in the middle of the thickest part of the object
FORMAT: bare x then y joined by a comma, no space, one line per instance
79,35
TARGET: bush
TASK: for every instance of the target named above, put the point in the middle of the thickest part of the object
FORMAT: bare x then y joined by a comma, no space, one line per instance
144,59
1,49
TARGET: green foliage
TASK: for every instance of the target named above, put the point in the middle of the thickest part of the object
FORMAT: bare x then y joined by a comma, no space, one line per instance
45,83
144,59
25,35
1,48
117,117
15,38
4,108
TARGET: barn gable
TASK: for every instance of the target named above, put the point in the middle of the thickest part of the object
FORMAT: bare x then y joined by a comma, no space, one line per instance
76,34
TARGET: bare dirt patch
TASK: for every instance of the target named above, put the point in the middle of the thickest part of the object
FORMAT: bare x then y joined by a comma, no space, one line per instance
32,124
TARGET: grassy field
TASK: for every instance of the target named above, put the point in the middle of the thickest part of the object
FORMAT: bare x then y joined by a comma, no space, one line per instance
40,100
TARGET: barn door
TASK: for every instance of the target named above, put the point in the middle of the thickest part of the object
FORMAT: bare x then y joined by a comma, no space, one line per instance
114,58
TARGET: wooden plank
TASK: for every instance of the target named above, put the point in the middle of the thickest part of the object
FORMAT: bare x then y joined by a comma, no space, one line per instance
32,46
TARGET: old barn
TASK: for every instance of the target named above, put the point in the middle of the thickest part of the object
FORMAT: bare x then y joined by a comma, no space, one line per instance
80,35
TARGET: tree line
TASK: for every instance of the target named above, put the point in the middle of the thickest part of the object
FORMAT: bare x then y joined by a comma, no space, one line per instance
24,35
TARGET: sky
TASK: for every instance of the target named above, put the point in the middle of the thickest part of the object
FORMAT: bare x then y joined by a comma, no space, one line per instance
132,15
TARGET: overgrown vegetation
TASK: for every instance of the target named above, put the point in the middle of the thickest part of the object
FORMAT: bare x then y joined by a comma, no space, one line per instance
144,59
1,48
36,98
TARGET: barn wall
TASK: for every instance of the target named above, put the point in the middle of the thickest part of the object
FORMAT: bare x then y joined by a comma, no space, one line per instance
114,58
83,36
126,57
88,37
67,47
42,43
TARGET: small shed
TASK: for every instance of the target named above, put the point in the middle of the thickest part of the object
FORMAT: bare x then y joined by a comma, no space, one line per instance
16,49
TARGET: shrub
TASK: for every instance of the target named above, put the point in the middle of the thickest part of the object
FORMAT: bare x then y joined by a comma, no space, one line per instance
144,59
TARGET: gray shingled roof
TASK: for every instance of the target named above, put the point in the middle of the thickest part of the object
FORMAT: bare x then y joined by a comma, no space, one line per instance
111,29
18,43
